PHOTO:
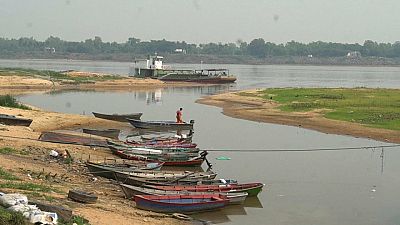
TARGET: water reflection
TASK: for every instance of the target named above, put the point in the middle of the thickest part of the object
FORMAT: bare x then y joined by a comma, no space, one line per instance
253,202
150,97
222,216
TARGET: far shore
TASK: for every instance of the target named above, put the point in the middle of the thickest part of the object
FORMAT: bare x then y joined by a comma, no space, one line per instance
227,59
262,110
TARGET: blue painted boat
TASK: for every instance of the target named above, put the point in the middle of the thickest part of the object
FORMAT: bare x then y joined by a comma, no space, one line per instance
180,203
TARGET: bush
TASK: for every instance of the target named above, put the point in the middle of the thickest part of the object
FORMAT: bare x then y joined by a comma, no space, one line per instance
10,101
11,218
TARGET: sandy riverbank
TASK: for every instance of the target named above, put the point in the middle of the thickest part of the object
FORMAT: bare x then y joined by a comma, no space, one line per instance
27,83
257,109
32,156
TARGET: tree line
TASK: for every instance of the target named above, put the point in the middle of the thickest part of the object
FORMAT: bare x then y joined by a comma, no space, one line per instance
258,48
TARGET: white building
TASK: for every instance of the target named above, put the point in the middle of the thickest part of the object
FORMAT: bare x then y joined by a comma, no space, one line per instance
179,50
355,54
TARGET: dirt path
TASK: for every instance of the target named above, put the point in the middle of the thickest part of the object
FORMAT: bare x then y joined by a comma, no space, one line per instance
256,109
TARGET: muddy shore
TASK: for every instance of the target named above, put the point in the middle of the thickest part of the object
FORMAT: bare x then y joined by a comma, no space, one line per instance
259,110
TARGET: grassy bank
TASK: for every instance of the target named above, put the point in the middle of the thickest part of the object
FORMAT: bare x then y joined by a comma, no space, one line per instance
372,107
11,102
55,76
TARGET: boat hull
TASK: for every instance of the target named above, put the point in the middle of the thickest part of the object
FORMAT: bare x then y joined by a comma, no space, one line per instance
130,191
208,80
180,203
164,176
183,163
109,171
118,117
14,121
253,189
160,125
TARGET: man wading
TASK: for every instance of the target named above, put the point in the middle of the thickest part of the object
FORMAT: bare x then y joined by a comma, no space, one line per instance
179,116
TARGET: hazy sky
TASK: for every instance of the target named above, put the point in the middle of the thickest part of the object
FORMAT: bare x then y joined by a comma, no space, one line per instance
203,21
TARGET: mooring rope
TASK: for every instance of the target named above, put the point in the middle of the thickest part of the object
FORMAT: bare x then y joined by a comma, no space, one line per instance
306,150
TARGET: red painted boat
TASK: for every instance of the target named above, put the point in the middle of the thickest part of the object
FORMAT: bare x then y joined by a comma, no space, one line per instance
180,203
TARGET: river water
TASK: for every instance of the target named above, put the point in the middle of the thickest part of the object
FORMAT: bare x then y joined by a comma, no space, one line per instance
302,188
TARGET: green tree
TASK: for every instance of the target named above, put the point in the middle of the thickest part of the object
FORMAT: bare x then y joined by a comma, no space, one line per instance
257,48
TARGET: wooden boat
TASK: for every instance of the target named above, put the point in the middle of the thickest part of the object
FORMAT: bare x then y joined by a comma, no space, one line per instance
181,161
180,203
181,139
118,117
160,144
114,146
107,170
65,138
151,154
251,188
130,191
177,138
82,196
161,124
111,133
139,182
14,121
165,175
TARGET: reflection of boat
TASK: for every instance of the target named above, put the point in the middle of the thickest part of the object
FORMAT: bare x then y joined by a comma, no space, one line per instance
118,117
161,124
253,203
235,210
155,69
14,121
180,203
111,133
211,217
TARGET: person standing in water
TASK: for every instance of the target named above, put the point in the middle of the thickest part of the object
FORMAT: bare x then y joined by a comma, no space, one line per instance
179,116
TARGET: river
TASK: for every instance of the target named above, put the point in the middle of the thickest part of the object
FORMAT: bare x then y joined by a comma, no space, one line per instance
314,187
